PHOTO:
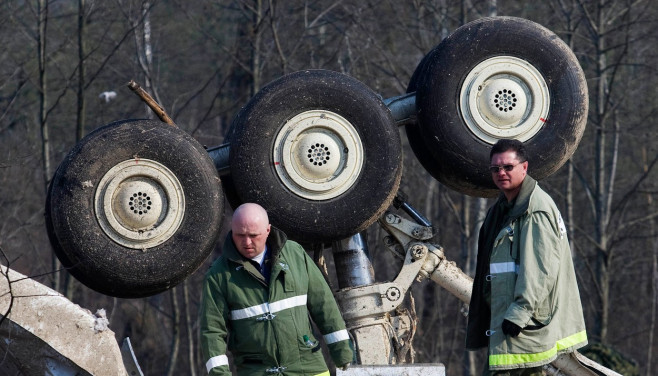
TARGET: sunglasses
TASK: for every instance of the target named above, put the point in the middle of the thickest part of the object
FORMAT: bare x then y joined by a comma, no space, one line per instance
507,168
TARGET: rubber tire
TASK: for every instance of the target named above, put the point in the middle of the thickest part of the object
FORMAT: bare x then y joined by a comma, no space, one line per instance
412,129
253,170
228,186
460,159
230,192
52,237
85,249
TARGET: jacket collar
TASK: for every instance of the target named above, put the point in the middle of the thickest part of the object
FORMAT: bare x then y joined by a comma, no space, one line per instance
521,201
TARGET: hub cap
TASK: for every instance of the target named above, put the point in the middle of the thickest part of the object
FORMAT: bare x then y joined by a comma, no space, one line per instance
504,97
139,203
318,155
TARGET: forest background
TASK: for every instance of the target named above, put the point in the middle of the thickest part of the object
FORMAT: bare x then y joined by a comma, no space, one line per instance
203,60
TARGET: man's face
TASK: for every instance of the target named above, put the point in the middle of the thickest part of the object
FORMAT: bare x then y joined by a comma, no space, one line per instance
250,236
508,181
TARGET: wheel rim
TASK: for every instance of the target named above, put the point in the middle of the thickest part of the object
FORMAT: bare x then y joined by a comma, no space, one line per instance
504,97
139,203
318,155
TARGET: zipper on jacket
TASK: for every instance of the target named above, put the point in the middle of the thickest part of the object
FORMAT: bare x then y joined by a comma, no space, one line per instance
276,370
266,317
510,235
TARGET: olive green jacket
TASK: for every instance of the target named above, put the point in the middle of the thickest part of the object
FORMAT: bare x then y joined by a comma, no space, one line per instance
528,278
263,324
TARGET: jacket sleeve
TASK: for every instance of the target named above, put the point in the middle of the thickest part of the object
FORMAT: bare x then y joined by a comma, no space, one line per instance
325,313
539,263
214,317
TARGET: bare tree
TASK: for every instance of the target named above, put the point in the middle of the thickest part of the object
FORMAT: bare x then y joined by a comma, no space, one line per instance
654,282
205,62
610,53
42,17
190,330
175,337
80,124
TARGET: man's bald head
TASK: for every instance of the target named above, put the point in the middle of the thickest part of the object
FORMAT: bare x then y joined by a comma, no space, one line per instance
250,212
250,227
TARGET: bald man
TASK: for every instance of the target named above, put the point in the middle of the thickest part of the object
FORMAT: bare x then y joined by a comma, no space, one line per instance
257,299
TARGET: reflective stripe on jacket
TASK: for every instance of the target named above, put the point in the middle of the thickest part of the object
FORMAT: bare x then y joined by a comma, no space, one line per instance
263,325
532,284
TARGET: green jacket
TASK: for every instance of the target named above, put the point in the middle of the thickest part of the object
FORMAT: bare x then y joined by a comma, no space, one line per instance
265,323
525,274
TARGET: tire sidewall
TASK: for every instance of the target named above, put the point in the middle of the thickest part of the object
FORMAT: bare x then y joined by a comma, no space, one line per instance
412,130
93,257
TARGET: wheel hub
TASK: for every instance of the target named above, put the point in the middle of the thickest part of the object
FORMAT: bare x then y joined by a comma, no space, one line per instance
503,100
314,156
139,203
318,155
504,97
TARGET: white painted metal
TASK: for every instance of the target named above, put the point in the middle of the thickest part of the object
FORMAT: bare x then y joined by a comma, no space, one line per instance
139,203
504,97
373,343
573,364
129,358
379,298
318,155
448,275
430,369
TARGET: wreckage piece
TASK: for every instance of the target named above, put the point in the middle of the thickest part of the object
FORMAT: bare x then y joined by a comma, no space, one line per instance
44,333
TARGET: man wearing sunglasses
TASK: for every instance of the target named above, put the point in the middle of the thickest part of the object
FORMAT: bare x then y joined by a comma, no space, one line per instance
525,305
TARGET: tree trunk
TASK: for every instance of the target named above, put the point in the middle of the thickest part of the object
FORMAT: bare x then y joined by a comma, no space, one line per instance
470,365
69,283
570,222
145,54
175,337
190,329
80,128
569,203
256,52
654,274
601,210
42,13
